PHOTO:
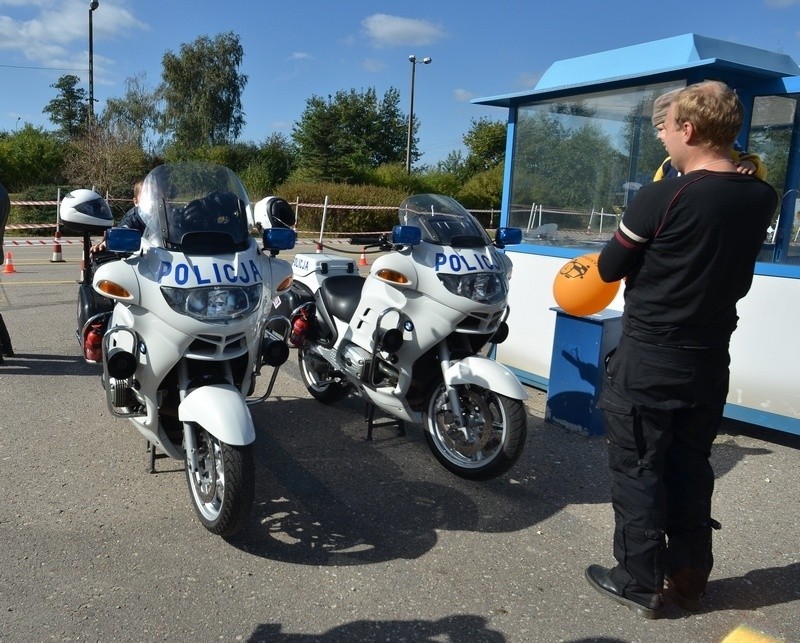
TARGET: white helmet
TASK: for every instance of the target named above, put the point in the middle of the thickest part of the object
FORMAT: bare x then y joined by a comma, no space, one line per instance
85,211
273,212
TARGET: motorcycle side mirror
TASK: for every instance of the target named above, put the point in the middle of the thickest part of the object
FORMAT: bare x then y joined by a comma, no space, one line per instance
279,239
508,237
123,240
406,235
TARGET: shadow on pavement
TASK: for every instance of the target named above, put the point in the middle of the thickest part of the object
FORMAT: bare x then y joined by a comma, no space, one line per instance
457,629
47,365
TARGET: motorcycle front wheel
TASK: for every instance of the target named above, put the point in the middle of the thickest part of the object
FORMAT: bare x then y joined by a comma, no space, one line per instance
222,488
491,439
323,389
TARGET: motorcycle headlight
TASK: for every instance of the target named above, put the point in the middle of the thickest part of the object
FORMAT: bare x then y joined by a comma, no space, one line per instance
214,304
484,287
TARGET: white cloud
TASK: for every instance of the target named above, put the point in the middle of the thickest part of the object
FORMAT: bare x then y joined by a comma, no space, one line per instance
53,33
389,31
301,55
780,4
463,96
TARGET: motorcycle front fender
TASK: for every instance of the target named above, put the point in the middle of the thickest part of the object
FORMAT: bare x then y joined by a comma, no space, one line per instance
222,411
486,373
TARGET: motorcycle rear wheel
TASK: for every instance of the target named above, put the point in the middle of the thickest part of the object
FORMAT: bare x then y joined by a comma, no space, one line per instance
222,489
327,391
492,439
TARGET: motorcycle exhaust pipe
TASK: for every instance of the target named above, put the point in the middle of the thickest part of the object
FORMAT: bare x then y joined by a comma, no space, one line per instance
389,372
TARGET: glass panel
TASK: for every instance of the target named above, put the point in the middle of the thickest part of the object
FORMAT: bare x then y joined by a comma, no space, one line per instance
579,160
770,137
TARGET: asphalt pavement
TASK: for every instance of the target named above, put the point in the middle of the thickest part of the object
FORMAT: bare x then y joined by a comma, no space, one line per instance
349,540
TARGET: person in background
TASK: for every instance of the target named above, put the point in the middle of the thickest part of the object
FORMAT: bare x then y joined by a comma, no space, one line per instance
687,248
5,209
745,162
131,219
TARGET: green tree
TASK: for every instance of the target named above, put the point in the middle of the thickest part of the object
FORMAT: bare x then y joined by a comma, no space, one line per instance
486,145
136,115
453,163
202,91
273,164
69,109
344,137
235,156
483,190
31,156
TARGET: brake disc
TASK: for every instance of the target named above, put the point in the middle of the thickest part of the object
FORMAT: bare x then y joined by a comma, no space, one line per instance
206,479
477,424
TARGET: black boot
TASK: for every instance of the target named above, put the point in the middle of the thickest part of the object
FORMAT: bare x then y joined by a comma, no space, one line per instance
689,563
600,579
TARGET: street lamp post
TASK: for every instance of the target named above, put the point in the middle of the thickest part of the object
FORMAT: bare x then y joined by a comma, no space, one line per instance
92,6
414,62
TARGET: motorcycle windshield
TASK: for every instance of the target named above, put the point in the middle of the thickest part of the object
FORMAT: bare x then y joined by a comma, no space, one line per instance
197,208
443,221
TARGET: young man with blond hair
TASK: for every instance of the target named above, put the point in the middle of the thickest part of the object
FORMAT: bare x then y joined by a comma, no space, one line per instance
687,249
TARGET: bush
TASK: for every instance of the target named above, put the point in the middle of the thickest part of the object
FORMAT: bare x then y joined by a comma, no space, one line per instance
44,215
343,220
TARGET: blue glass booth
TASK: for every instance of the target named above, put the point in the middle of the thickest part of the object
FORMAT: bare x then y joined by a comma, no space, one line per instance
581,143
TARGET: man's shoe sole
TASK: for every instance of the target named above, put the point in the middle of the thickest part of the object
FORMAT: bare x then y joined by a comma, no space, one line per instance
639,609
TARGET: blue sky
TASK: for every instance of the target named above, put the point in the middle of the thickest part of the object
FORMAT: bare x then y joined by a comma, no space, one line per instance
294,50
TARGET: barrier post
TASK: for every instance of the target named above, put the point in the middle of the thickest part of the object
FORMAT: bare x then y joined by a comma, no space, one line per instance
322,225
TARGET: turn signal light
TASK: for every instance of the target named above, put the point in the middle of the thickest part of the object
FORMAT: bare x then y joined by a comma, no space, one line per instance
392,276
284,285
112,289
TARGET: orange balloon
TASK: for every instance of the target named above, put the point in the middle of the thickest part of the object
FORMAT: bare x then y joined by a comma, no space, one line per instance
578,288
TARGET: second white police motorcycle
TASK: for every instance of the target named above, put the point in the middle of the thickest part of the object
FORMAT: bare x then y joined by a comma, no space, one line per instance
178,322
409,338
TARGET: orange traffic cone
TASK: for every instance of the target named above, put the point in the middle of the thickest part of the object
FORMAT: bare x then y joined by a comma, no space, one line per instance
9,267
362,260
57,256
319,246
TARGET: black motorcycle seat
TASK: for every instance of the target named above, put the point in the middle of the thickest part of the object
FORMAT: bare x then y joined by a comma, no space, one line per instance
340,295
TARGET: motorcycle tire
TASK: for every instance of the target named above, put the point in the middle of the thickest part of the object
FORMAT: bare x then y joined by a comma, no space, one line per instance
327,391
222,489
492,439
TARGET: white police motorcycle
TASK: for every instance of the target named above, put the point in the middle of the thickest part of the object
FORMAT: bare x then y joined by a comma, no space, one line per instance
408,338
177,318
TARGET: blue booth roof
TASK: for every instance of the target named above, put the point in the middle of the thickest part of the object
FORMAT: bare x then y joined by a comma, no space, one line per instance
665,58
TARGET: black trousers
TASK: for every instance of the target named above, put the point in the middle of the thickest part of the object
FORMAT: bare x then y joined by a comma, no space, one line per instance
5,340
662,409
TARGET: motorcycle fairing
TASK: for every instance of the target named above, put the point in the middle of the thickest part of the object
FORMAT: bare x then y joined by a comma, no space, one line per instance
458,261
179,270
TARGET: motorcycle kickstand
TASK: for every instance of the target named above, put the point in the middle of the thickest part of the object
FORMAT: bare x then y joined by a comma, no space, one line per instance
371,423
152,455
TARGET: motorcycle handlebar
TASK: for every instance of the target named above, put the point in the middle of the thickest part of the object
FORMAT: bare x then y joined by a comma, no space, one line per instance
372,241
